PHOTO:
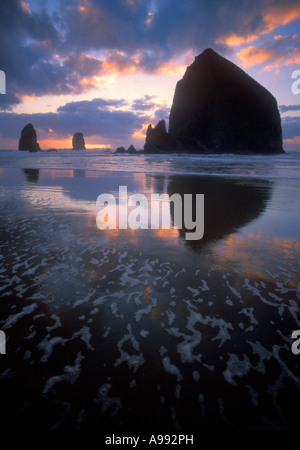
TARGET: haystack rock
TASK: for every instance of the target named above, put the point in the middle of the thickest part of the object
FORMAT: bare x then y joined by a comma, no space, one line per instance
28,139
218,108
78,142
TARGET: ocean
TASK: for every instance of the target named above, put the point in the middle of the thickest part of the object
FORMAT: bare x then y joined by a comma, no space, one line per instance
121,330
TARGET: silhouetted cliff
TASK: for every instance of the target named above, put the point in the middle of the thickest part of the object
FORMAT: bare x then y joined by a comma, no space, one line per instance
218,108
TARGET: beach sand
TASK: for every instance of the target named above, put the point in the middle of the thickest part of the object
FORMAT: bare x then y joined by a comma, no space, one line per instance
142,329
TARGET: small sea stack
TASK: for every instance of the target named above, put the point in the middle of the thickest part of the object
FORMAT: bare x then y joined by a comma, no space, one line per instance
78,142
28,139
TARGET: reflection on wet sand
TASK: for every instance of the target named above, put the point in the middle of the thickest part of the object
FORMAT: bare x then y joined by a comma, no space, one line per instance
123,330
229,203
32,175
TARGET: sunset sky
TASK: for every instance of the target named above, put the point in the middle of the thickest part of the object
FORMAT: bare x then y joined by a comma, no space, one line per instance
108,68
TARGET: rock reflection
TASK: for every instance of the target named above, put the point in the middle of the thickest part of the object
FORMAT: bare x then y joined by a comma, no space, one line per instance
32,175
229,204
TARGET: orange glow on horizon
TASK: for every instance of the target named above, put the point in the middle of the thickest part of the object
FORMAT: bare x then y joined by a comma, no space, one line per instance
100,146
66,143
55,143
294,140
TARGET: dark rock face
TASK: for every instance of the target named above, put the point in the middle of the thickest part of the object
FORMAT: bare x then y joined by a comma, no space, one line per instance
217,107
78,142
158,140
28,139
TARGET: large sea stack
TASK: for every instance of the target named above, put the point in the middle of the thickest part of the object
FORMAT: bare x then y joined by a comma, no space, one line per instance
28,139
218,108
78,142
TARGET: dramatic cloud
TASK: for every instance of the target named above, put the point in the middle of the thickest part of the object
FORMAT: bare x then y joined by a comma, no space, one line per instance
76,44
73,47
250,56
285,108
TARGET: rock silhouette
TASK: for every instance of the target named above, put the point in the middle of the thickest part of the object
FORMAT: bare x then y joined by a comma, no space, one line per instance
28,139
131,149
218,108
78,142
158,140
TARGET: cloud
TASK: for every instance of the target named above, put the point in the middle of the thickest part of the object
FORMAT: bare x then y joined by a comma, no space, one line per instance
258,19
143,104
97,104
251,56
8,100
162,113
290,127
97,117
25,51
77,45
285,108
276,56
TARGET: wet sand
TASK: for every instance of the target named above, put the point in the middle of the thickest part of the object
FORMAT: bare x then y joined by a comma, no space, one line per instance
143,330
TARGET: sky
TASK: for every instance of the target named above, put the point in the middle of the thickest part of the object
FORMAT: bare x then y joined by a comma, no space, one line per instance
108,68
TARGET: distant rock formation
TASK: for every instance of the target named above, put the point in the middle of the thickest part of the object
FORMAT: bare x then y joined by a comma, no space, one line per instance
78,142
28,139
158,140
218,108
52,150
131,149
